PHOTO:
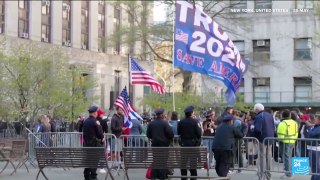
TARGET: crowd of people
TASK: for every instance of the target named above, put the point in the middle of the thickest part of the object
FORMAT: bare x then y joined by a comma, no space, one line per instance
222,135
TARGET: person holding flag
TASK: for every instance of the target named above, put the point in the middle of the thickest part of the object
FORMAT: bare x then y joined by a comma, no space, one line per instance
117,129
121,121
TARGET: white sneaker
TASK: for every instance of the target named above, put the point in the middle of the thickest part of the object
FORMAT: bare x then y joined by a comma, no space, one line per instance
231,172
103,171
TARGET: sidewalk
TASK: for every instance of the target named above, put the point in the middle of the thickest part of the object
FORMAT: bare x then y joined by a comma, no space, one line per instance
76,174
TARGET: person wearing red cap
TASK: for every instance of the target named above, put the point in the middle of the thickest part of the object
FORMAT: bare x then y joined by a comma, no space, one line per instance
103,122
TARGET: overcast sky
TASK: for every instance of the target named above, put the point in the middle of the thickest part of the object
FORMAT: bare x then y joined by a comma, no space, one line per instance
159,12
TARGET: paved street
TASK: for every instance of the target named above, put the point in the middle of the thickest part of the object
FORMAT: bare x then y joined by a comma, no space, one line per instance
76,174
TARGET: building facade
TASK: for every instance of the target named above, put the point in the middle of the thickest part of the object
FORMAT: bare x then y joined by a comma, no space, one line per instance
281,40
82,28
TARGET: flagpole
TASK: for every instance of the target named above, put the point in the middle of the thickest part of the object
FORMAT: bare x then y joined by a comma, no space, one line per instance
172,78
129,77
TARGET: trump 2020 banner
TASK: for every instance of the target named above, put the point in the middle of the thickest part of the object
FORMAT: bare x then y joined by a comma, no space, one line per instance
201,46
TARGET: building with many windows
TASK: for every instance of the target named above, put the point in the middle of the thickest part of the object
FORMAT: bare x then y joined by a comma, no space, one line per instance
82,28
283,48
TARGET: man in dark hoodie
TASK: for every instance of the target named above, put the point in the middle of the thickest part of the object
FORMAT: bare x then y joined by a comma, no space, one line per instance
224,142
228,111
264,128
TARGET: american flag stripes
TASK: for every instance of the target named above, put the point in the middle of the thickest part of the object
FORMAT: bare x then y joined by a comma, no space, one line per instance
139,76
181,36
123,103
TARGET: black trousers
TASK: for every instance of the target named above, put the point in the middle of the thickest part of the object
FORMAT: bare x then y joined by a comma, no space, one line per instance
159,173
91,173
188,162
223,162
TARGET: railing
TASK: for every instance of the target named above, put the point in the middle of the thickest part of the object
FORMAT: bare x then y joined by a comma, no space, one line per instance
281,97
60,139
282,153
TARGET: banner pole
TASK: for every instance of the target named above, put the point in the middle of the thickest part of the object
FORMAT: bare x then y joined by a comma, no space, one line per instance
173,49
129,79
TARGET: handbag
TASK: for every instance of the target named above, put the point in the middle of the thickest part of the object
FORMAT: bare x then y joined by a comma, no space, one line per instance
148,173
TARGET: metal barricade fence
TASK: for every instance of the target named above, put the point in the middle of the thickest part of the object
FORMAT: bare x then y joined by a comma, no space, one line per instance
58,139
282,151
245,151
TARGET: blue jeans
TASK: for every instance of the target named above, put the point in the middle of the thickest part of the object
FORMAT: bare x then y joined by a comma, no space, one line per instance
314,157
208,142
286,155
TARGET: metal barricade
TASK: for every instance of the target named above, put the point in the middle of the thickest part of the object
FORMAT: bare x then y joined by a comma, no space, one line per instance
245,151
58,139
282,151
135,141
113,150
246,154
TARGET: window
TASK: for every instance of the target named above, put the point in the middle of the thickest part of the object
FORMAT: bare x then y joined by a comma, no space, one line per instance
101,21
101,27
45,7
84,41
116,24
66,10
23,19
304,4
238,4
23,27
45,33
84,24
263,4
261,50
303,49
66,36
241,89
261,90
2,16
302,89
66,23
117,14
22,4
46,21
84,16
241,48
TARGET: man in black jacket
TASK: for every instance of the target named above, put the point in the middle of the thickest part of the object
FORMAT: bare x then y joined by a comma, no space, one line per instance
161,134
190,131
223,144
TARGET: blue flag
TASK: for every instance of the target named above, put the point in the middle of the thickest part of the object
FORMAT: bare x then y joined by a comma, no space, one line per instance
201,46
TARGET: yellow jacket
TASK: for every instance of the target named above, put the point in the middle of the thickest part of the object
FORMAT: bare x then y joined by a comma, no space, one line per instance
288,128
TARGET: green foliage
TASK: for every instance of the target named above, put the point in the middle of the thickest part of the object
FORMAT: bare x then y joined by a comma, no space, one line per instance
182,100
241,105
37,80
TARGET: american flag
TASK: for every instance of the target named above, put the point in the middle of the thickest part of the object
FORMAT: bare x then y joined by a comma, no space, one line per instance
181,36
123,102
139,76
